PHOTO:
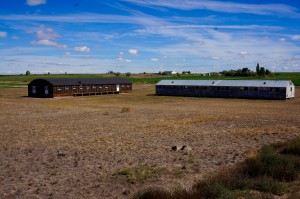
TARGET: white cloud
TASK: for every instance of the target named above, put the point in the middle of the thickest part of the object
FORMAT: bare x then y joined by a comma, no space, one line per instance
120,59
296,37
133,51
82,49
3,34
154,59
35,2
46,33
243,53
121,53
67,53
15,37
221,6
282,39
47,42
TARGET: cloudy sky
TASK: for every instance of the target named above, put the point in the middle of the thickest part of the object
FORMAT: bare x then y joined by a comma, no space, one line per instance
96,36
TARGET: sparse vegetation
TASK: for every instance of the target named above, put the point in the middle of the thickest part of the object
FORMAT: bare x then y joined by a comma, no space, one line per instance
141,172
98,140
126,110
270,172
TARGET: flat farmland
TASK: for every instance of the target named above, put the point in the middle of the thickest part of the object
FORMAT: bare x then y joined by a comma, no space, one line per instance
111,146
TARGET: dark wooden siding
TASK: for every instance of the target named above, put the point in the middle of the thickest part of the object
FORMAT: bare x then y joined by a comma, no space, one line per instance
41,87
76,90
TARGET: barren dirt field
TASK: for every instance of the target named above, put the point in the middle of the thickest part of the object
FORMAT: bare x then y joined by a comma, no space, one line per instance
111,146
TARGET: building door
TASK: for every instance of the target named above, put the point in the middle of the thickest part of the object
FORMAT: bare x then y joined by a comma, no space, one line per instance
291,92
46,90
117,87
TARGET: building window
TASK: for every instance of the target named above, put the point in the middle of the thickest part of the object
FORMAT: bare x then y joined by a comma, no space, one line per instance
33,89
74,88
46,90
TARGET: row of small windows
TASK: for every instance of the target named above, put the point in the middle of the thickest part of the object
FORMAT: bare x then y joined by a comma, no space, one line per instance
221,88
88,87
92,88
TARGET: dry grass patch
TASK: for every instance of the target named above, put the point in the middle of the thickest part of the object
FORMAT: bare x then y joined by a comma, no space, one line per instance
274,129
141,172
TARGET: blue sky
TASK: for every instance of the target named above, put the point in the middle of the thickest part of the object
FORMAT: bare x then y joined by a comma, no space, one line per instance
97,36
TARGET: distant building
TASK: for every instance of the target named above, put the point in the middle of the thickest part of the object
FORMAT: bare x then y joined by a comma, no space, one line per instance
258,89
53,87
168,73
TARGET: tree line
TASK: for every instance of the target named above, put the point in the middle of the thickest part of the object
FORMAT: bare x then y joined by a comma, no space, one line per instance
260,71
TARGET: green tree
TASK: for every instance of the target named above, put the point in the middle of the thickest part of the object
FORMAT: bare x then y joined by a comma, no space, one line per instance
27,72
128,74
257,68
117,74
262,71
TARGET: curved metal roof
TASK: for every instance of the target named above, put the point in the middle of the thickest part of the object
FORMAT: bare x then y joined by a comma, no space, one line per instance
84,81
229,83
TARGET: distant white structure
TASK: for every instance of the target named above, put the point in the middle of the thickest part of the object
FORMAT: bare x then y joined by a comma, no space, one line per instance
168,73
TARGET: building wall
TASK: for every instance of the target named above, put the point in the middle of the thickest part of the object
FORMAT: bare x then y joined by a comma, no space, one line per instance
43,89
91,89
40,88
218,91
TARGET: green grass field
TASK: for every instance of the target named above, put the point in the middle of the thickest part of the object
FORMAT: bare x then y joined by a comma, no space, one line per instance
23,80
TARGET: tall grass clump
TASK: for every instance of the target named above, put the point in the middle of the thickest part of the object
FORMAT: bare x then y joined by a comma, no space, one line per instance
292,148
271,171
271,163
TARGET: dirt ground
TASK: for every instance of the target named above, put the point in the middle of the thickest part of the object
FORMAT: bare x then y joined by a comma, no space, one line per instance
111,146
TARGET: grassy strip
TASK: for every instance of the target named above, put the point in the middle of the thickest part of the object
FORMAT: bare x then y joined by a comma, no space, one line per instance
147,78
271,172
13,85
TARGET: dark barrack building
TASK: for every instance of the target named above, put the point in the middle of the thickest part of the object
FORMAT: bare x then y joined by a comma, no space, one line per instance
54,87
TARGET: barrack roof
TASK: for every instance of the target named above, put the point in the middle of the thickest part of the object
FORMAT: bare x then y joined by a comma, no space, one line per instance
228,83
85,81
